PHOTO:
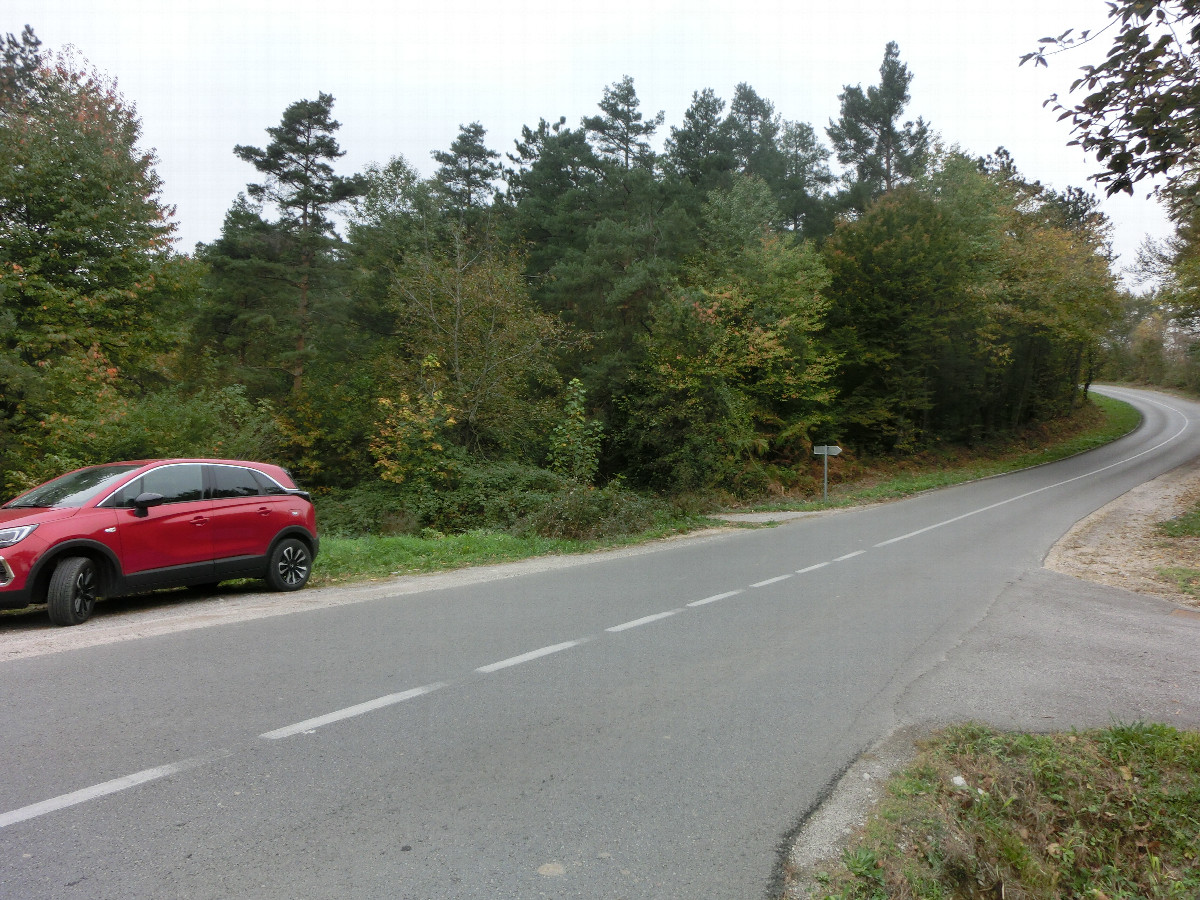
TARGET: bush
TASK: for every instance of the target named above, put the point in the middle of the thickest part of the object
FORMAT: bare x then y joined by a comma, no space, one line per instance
374,507
103,427
585,513
489,496
482,495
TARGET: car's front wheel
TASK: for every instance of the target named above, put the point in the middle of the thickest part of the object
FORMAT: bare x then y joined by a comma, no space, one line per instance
290,565
71,597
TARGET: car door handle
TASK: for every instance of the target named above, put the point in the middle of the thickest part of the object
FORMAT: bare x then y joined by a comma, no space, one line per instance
200,520
264,510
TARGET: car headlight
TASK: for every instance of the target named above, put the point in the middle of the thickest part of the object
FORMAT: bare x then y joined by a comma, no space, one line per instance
10,536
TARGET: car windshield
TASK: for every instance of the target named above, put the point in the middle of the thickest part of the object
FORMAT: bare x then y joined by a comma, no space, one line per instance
72,489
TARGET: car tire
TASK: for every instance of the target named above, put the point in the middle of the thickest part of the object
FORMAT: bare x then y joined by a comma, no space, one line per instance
71,597
290,565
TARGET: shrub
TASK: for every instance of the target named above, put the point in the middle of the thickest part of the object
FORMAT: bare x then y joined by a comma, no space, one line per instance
374,507
586,513
489,496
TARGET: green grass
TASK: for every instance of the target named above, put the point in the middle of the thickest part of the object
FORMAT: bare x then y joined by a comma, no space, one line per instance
346,559
1105,814
374,557
1187,580
1114,420
1187,525
1181,529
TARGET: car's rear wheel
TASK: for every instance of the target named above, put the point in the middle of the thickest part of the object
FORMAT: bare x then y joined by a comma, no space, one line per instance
290,565
71,597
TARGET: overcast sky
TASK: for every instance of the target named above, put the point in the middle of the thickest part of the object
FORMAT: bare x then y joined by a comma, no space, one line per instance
208,75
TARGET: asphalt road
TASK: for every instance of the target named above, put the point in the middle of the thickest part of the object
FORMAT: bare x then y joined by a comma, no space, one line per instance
647,725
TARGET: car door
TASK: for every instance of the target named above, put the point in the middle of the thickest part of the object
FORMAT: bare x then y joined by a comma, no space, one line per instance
171,542
245,518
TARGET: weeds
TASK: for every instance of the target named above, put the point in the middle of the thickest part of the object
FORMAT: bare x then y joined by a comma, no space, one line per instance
1099,814
1186,580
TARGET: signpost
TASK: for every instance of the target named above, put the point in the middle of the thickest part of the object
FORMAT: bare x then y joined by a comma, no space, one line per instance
827,450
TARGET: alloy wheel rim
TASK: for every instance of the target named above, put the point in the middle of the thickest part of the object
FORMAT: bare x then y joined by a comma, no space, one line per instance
85,592
293,565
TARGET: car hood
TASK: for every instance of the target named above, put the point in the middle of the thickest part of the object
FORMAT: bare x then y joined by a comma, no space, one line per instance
37,516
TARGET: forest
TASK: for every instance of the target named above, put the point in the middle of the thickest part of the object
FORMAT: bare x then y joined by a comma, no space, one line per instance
613,310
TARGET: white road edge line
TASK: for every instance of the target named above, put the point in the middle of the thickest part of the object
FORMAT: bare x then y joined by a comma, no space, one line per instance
772,580
108,787
1049,487
527,657
804,571
850,555
349,712
714,598
645,620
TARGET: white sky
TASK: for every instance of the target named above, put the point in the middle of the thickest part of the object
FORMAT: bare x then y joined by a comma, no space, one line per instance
208,75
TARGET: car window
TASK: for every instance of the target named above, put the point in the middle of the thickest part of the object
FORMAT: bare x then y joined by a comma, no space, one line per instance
233,481
268,484
72,489
177,484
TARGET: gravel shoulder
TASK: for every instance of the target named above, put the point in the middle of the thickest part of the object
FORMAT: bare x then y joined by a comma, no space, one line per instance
1118,546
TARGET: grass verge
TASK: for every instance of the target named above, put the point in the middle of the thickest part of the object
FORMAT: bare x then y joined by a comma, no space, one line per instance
1103,423
1104,814
375,557
346,559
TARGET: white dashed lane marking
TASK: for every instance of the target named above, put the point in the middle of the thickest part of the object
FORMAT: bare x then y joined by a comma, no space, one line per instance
644,620
774,580
349,712
528,657
714,598
308,725
96,791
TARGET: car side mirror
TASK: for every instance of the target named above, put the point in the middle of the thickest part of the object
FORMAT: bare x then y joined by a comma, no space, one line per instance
143,502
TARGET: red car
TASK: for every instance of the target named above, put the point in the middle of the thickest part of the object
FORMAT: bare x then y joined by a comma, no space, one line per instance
128,527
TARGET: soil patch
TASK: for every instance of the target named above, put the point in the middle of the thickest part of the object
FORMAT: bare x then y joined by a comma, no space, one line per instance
1120,544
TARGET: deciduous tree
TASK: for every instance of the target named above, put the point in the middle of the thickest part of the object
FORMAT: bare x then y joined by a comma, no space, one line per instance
1141,113
733,375
467,306
87,279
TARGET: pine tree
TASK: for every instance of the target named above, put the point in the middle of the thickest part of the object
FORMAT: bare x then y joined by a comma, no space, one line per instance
803,189
754,130
869,135
620,133
701,151
301,184
466,174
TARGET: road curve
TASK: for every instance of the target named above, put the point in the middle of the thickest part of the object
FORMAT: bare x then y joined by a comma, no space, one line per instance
643,726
